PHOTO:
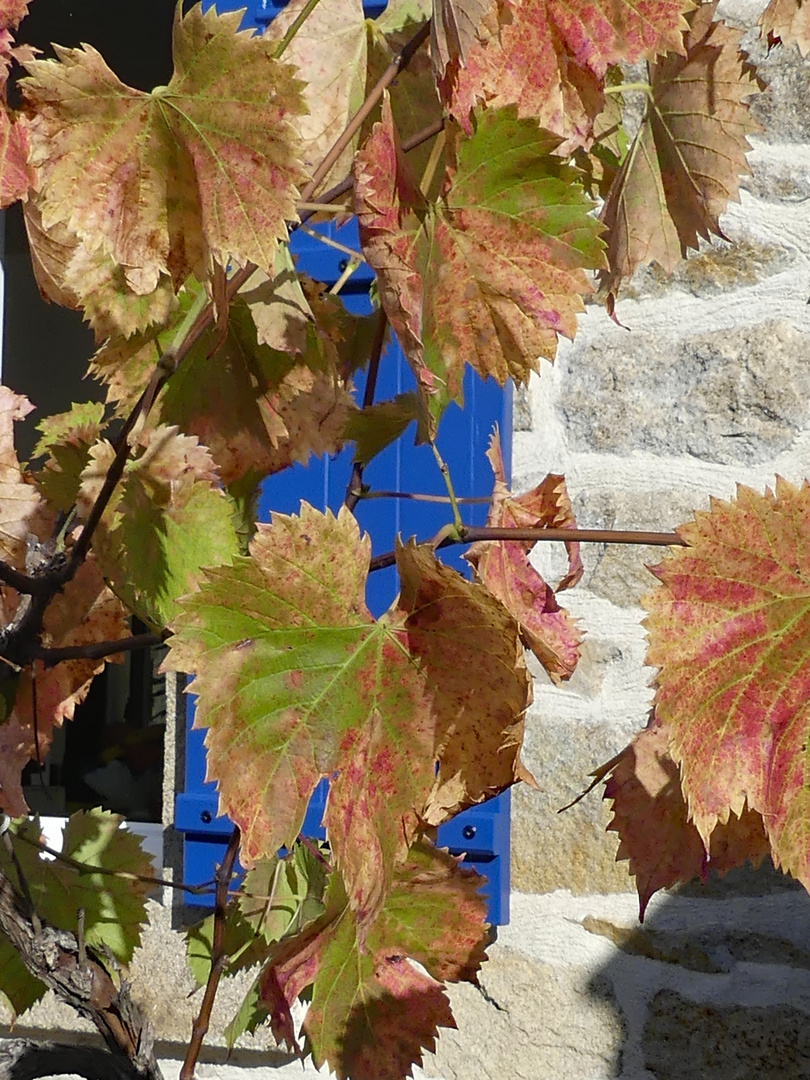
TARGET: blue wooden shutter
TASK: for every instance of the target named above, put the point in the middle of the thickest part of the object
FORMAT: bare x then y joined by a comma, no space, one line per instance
482,833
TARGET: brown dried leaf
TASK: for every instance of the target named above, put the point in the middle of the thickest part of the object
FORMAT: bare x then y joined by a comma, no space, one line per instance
651,818
787,21
686,160
468,647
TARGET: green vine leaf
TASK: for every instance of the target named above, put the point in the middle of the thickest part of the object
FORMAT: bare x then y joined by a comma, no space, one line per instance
66,439
114,907
372,1012
167,520
492,273
296,682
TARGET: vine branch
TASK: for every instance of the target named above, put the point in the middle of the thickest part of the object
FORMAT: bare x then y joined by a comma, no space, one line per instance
219,958
471,534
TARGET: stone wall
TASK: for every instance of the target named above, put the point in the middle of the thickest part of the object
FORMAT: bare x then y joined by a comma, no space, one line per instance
707,386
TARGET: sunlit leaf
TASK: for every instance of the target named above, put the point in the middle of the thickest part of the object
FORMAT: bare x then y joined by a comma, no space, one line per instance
548,58
468,646
329,51
295,682
686,160
163,183
166,521
504,567
66,440
730,630
494,272
787,21
373,1013
15,174
114,906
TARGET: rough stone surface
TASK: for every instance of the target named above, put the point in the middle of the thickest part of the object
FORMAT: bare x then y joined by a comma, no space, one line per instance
568,1031
732,396
684,1040
721,266
552,850
782,110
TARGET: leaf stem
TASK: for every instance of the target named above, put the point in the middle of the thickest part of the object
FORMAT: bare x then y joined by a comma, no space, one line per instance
329,242
397,64
420,497
295,26
448,483
628,87
583,536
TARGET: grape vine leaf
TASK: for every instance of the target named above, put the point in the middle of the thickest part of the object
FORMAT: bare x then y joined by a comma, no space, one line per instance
203,169
504,568
329,50
281,895
686,159
295,682
729,628
415,104
453,30
504,252
787,21
377,426
20,988
77,275
256,409
167,519
468,646
114,906
21,505
15,175
65,441
650,816
373,1013
548,58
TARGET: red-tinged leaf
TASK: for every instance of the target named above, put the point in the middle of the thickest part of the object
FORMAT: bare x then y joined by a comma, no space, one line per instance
295,682
685,162
787,21
373,1013
549,58
493,272
21,505
84,612
730,630
504,567
76,275
15,174
415,103
203,169
468,646
650,816
167,519
329,50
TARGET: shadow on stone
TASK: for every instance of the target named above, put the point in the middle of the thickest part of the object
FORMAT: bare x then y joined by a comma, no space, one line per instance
715,985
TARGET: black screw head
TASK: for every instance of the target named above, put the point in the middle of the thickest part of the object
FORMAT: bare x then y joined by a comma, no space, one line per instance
206,817
468,832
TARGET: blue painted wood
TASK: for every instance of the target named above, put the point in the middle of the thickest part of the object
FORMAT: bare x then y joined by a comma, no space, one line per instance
481,834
